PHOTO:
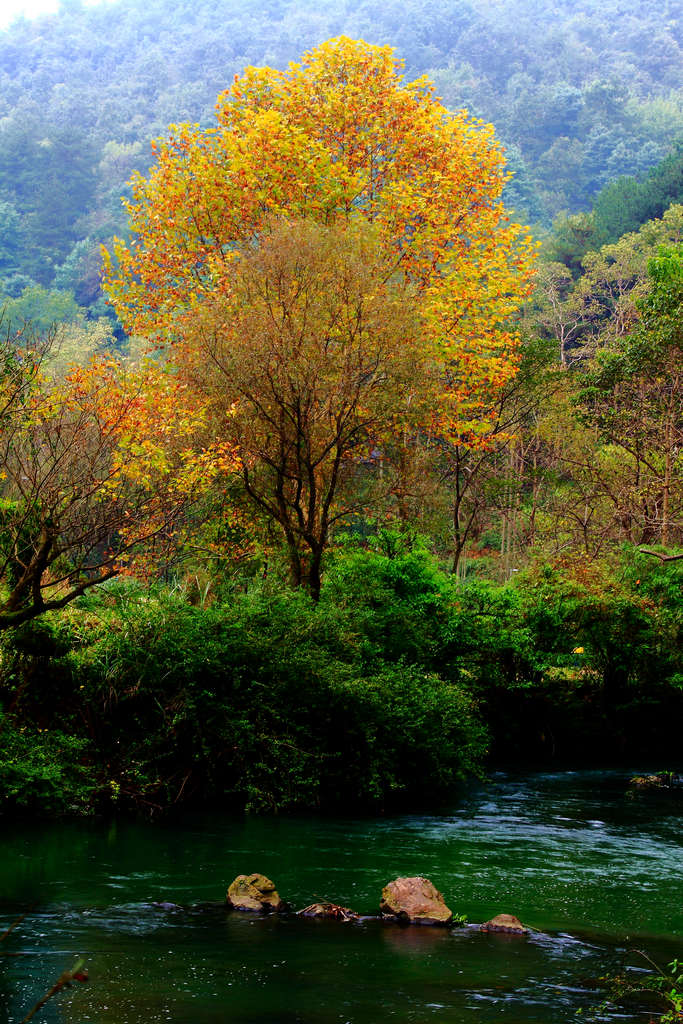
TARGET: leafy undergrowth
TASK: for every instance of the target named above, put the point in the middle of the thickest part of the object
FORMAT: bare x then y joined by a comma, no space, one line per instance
657,989
388,692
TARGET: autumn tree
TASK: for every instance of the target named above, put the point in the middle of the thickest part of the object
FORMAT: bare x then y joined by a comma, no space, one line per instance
341,140
82,488
311,362
497,485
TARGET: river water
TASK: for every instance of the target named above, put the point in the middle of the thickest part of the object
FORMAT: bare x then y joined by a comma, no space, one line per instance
592,871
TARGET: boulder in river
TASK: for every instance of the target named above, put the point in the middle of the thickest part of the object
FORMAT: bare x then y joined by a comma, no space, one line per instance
329,910
414,901
505,923
254,892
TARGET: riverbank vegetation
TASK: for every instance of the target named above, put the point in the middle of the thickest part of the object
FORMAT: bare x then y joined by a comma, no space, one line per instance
655,989
359,495
387,692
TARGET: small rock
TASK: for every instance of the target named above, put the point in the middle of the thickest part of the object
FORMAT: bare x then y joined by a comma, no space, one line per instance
329,910
414,901
505,923
255,893
647,782
663,780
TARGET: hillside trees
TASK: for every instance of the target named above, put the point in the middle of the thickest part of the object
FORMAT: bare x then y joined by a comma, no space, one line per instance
602,305
47,176
627,203
606,440
82,90
634,394
338,141
622,207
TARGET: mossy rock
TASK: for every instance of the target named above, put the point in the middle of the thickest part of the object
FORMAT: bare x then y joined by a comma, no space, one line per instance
255,893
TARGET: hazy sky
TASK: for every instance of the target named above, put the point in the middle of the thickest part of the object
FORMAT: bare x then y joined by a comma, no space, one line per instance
10,9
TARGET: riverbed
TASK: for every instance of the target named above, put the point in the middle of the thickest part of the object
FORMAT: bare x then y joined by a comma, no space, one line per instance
591,870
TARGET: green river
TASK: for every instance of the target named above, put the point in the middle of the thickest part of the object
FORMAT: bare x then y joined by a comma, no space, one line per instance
592,871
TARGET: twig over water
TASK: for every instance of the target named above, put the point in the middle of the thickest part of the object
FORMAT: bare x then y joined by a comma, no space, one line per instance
77,973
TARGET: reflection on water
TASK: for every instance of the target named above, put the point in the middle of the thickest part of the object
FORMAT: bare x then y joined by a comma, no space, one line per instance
591,870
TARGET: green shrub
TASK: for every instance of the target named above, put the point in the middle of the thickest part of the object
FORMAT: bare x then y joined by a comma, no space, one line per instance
396,606
41,769
385,690
401,733
263,703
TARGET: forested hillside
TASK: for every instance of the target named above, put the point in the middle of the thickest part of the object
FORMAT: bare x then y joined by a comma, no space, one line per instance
358,446
580,94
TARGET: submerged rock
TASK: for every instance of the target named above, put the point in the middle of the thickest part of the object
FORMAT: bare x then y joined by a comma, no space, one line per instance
254,892
504,923
329,910
414,901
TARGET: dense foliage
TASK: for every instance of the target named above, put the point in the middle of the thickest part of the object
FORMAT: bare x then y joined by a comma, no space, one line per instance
386,692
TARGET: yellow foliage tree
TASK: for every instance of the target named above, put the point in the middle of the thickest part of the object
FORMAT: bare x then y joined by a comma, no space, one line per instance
338,139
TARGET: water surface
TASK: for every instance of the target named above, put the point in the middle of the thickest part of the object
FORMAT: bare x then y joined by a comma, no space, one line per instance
592,871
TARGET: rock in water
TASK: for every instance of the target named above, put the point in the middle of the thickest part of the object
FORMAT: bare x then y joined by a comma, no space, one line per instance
330,910
414,901
663,780
254,892
504,923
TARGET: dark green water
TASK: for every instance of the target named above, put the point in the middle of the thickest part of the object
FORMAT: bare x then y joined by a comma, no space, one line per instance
592,871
